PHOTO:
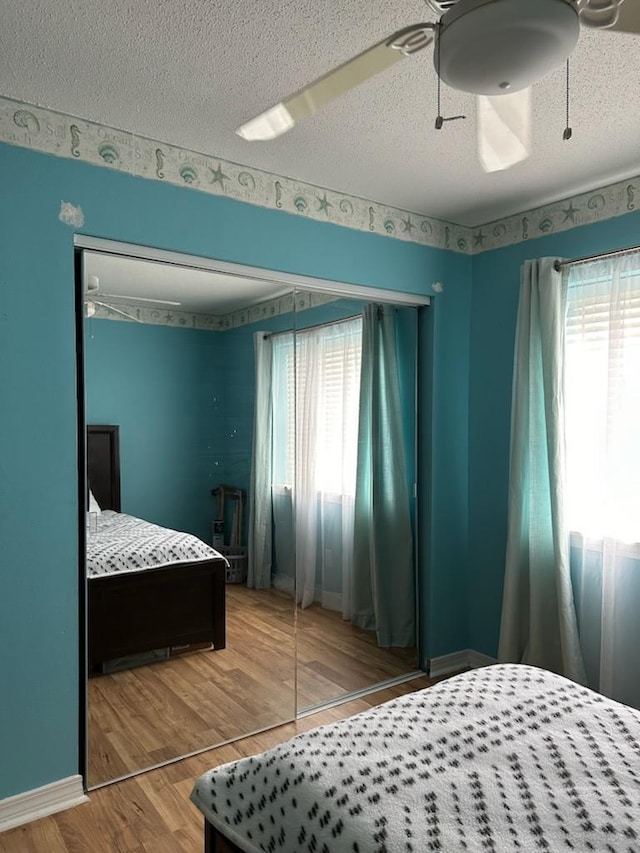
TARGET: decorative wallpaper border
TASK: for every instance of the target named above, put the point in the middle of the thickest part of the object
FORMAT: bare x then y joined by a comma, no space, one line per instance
131,313
584,209
51,132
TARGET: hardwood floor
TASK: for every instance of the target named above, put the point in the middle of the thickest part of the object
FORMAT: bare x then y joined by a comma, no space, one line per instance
151,813
141,717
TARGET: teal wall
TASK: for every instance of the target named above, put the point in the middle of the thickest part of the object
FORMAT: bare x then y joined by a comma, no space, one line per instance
443,461
162,386
38,468
496,282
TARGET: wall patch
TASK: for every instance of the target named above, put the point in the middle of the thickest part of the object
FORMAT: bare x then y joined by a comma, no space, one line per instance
71,215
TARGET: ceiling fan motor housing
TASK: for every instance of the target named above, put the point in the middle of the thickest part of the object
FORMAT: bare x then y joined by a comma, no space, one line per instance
495,47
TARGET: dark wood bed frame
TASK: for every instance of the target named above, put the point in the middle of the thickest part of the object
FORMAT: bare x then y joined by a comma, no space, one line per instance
158,608
215,842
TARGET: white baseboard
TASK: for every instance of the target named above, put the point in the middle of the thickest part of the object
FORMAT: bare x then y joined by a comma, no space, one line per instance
40,802
456,661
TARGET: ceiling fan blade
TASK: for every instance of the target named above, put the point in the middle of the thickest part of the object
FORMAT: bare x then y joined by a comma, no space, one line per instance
92,288
504,129
621,16
129,297
90,310
628,18
282,117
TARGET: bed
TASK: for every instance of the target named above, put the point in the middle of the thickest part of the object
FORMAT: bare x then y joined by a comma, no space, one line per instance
132,608
504,758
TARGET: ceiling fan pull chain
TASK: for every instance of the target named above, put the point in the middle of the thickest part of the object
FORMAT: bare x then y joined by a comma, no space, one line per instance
568,132
440,119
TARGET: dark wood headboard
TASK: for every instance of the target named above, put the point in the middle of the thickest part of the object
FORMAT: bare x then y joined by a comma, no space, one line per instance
103,464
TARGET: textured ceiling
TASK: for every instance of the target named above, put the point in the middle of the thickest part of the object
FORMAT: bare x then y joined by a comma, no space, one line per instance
188,72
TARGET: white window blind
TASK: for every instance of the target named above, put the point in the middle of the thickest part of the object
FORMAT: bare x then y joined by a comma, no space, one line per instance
602,399
283,409
318,376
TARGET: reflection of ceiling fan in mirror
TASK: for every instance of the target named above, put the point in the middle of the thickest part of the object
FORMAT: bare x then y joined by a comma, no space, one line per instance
106,300
495,49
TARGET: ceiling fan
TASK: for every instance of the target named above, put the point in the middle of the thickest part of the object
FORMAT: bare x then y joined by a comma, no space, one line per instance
495,49
92,292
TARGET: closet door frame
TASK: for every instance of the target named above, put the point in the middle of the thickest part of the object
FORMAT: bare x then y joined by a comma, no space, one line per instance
296,282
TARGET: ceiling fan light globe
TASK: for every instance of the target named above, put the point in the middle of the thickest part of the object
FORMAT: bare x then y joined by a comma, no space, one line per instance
268,125
504,130
489,47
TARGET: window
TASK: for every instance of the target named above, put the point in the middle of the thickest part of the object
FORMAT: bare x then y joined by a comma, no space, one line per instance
283,409
602,396
325,361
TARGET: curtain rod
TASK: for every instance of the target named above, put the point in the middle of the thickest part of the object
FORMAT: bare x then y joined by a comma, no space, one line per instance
312,328
559,264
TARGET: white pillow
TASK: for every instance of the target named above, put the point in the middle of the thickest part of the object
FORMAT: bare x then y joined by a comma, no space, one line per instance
94,506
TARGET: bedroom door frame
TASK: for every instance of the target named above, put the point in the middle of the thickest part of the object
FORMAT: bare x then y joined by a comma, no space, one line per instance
297,282
83,632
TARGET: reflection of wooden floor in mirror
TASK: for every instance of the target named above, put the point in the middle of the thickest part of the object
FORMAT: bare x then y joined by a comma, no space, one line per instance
335,658
141,717
144,716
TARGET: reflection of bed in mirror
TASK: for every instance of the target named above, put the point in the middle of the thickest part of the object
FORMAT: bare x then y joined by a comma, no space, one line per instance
136,610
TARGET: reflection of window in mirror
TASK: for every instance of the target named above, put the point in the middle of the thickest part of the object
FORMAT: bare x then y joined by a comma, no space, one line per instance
325,368
328,414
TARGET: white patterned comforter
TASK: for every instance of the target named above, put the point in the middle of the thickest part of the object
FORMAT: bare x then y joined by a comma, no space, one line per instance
123,543
505,758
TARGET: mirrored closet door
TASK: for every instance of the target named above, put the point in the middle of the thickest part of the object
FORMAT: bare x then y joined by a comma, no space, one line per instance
170,399
354,486
275,428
